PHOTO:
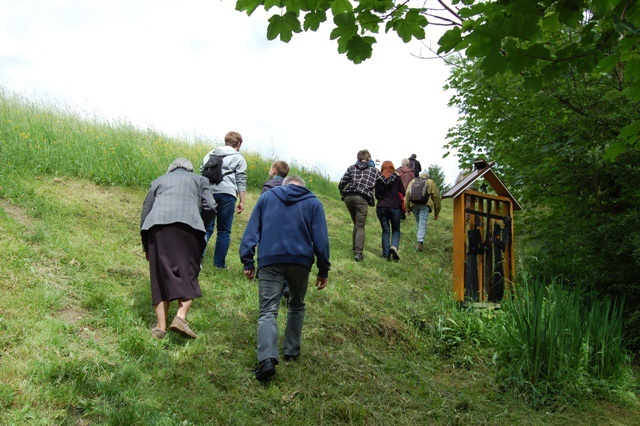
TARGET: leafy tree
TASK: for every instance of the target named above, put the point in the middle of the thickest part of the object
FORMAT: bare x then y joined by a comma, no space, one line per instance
580,219
436,174
535,39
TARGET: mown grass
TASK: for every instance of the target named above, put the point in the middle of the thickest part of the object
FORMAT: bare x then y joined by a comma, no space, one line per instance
383,344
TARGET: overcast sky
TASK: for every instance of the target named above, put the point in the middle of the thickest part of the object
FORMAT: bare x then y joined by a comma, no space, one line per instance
199,68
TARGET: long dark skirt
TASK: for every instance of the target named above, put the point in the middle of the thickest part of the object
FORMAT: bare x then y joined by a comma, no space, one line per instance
175,253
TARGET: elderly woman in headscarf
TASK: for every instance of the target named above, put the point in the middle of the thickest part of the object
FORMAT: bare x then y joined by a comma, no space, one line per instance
175,216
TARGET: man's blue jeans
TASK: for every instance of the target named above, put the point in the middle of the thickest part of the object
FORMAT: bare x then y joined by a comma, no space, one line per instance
389,216
271,281
224,217
421,213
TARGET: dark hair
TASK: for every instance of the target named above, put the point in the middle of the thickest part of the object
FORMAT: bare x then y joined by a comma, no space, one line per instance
364,155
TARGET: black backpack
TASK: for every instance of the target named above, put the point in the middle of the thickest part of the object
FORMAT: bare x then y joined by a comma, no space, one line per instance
419,191
212,169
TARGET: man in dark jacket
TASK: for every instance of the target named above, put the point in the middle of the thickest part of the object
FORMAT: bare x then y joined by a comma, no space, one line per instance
356,187
278,171
415,165
290,225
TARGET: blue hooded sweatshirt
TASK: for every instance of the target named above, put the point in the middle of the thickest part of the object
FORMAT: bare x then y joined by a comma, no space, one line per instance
288,225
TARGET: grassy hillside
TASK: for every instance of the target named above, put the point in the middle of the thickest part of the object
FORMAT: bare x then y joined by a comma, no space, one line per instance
383,344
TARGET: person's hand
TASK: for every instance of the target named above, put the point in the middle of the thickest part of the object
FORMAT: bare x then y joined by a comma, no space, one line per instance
240,207
250,273
408,212
321,283
435,217
146,254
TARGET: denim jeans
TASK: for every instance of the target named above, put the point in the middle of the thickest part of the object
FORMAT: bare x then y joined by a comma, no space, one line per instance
389,216
271,281
224,217
421,213
358,209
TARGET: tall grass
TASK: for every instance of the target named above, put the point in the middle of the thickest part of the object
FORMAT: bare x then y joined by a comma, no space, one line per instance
556,342
43,139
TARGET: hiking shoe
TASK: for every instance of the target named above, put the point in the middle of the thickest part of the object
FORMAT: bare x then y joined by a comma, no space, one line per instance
420,246
289,358
266,369
182,328
157,333
394,253
358,258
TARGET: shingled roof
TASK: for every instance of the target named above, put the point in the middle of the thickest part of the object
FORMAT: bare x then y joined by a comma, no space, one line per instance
483,169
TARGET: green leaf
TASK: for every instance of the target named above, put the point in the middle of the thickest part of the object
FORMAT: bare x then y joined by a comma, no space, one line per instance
450,40
312,20
268,4
248,6
533,83
614,150
494,63
622,26
341,6
377,6
607,63
412,25
345,27
360,48
283,26
369,21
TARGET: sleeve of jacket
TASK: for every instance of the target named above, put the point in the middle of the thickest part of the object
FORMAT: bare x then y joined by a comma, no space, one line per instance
435,197
400,186
146,209
321,240
407,201
346,180
241,175
251,237
207,202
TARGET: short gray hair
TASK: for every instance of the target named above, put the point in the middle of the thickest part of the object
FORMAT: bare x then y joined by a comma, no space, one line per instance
293,180
404,162
180,163
424,174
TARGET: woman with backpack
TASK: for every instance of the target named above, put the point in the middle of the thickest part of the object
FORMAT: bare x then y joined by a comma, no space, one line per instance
389,211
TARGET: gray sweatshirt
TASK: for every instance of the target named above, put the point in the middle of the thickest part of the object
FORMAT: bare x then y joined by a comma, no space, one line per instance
234,162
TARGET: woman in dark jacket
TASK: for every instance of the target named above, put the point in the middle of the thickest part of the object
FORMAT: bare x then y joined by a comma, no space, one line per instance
175,215
389,211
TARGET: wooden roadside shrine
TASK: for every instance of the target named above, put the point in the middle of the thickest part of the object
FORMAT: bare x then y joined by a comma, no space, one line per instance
483,238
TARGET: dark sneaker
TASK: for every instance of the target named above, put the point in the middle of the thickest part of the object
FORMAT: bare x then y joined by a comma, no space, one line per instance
358,258
289,358
266,369
420,246
394,253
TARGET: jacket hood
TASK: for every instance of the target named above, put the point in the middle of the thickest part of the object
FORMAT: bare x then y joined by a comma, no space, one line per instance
291,194
363,165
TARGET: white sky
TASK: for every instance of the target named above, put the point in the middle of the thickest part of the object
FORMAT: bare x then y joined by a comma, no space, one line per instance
199,68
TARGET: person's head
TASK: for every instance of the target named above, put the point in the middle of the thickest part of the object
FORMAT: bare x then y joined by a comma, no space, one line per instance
293,180
424,174
279,168
404,162
234,140
363,155
180,163
387,168
413,156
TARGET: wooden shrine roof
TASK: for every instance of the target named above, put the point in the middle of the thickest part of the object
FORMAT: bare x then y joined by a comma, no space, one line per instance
484,170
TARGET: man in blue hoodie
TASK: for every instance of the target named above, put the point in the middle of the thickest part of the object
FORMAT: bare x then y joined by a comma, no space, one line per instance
289,224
